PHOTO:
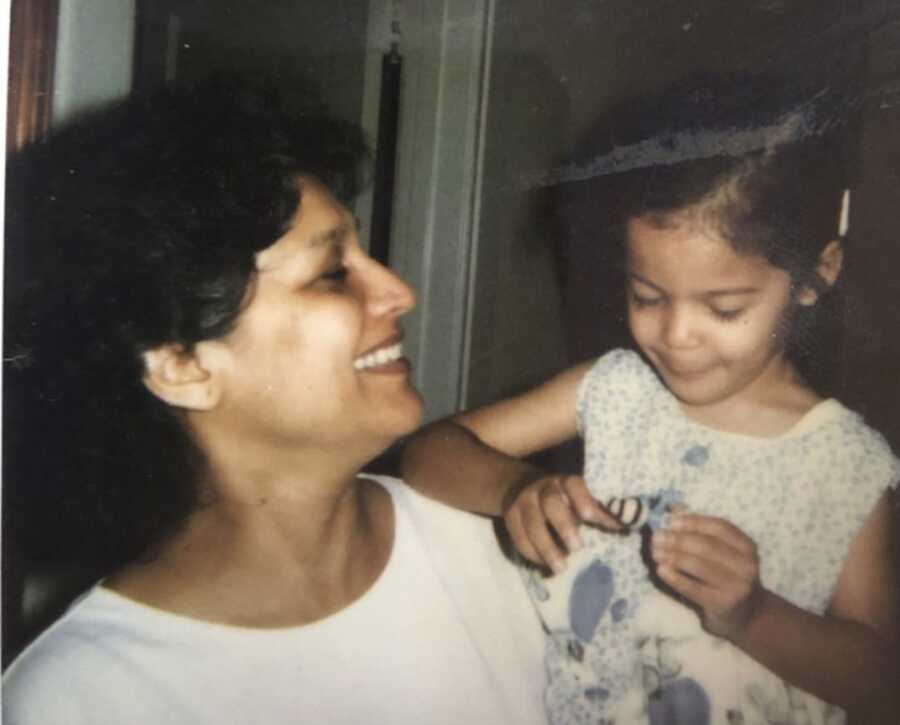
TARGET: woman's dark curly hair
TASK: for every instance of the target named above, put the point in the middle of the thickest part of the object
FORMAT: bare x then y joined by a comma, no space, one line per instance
135,226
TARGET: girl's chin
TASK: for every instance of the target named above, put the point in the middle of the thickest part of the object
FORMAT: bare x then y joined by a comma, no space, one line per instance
695,391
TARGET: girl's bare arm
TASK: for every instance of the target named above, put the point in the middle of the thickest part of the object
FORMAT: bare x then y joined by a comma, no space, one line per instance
471,461
848,657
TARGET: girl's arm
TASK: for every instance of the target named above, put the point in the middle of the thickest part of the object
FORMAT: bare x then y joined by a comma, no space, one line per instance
472,461
848,657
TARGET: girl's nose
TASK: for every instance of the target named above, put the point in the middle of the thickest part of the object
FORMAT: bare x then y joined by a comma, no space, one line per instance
387,294
678,329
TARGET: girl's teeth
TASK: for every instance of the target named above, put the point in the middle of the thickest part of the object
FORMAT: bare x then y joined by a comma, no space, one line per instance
380,357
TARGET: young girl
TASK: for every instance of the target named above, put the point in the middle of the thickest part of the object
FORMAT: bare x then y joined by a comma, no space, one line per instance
775,598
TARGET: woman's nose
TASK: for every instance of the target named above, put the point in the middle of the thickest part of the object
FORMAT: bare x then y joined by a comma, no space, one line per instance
387,294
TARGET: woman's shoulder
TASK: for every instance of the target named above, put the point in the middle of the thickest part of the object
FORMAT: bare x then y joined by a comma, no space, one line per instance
453,539
485,586
410,504
62,666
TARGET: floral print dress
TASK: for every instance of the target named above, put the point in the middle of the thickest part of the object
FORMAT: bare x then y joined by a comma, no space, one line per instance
620,650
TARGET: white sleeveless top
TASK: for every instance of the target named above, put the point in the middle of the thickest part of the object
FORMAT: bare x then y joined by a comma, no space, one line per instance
445,635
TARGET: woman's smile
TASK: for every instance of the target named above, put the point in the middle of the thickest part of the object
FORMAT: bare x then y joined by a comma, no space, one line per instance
321,332
386,358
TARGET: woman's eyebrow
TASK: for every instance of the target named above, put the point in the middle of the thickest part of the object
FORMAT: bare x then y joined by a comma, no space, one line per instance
333,237
637,278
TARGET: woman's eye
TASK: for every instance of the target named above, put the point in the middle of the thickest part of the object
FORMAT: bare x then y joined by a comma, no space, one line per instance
338,274
641,301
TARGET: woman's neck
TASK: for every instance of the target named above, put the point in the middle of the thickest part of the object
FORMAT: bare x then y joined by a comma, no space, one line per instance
270,550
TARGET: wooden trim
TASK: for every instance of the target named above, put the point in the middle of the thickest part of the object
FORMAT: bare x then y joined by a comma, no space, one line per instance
32,55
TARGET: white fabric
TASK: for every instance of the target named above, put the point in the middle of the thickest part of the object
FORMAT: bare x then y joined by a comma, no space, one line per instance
801,497
445,635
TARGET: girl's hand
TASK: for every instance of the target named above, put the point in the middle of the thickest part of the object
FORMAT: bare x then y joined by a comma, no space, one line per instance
713,564
543,511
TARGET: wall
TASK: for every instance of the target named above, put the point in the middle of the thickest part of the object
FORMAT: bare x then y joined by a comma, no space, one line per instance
870,355
93,54
283,38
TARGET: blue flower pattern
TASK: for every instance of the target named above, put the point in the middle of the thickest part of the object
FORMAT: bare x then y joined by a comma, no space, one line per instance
621,652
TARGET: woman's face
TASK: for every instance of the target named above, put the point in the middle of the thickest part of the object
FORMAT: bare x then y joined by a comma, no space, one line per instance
316,358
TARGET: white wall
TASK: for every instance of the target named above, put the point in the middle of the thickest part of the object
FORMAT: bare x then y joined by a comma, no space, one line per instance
435,222
94,54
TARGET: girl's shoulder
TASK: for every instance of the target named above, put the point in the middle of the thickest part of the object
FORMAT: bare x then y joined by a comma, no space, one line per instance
838,467
847,436
620,367
617,382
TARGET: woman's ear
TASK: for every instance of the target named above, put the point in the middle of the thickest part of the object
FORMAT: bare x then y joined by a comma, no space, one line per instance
180,378
831,260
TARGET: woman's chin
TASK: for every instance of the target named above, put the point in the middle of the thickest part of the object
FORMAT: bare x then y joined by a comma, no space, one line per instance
403,418
412,414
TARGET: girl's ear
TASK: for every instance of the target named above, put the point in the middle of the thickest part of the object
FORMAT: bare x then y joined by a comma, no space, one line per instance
831,260
182,378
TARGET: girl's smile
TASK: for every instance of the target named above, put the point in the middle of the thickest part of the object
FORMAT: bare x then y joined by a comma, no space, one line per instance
711,321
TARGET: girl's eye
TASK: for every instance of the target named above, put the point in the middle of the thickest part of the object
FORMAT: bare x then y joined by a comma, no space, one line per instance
727,315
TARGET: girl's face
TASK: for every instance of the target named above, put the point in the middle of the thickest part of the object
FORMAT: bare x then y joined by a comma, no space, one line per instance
315,361
711,321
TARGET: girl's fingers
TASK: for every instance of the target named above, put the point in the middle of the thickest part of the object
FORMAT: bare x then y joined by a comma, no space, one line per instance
520,539
707,547
707,570
558,510
700,554
715,528
521,498
693,590
534,522
586,506
543,516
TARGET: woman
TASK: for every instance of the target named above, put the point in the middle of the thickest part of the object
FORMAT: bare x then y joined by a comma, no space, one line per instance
202,357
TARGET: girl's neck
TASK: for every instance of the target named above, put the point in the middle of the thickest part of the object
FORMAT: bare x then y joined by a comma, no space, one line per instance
767,408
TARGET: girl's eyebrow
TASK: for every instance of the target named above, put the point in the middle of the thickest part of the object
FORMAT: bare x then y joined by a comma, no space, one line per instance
727,292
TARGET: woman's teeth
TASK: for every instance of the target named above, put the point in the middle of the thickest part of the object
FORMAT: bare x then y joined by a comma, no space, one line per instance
384,356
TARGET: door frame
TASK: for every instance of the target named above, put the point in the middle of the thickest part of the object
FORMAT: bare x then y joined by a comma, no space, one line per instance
446,46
